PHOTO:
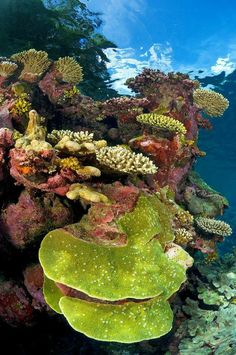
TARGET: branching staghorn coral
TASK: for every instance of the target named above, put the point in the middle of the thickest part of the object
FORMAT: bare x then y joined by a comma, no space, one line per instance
211,102
123,160
69,69
7,68
79,137
163,122
35,63
213,226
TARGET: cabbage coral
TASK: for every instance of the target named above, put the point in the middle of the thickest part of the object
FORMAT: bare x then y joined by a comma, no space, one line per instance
161,121
69,69
125,161
213,226
35,63
7,68
125,288
211,102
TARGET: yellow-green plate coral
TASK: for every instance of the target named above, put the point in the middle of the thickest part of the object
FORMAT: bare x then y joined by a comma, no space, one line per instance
139,270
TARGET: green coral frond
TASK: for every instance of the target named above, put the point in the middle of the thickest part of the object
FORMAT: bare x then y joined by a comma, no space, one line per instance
35,63
163,122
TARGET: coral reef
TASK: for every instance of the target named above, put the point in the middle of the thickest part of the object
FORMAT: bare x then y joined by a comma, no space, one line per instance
112,186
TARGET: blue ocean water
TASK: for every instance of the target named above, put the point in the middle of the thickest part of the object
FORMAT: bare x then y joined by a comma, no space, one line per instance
218,168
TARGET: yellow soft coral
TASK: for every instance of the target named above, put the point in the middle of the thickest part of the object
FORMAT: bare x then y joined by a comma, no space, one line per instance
211,102
35,63
21,105
161,121
70,70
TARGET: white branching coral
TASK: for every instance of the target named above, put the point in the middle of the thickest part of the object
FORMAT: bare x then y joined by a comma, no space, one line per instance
35,63
125,161
71,72
163,122
211,102
80,137
213,226
7,68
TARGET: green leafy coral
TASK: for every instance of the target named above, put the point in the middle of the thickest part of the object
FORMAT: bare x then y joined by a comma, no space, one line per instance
34,62
139,275
162,121
211,324
69,69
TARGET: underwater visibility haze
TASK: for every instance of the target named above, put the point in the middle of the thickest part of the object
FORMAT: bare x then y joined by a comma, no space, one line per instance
117,177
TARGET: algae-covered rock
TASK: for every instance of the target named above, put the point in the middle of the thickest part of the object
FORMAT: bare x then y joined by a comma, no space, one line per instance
127,286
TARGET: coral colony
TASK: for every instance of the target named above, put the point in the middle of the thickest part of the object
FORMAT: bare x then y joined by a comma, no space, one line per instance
108,189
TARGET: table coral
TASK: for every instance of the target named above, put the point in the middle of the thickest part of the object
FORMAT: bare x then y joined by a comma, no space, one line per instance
211,102
214,226
163,122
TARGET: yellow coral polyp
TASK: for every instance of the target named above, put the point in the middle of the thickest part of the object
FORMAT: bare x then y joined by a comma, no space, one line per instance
184,217
163,122
69,94
7,68
69,163
21,105
211,102
70,70
183,236
35,63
